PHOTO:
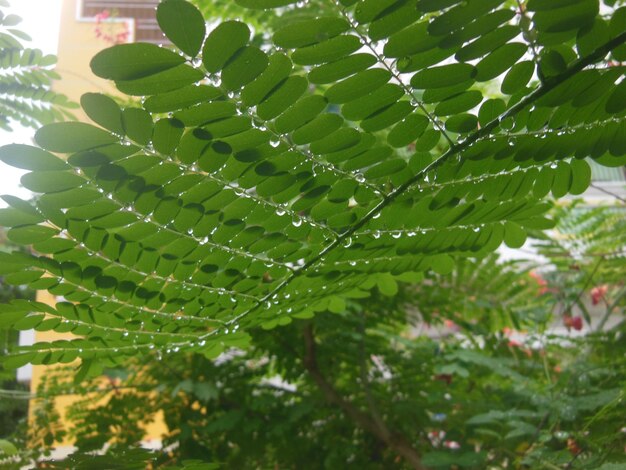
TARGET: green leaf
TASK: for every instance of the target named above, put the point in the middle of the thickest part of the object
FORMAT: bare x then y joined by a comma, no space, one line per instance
167,134
30,158
161,82
282,97
181,98
318,128
248,63
15,361
303,111
462,123
11,217
51,181
103,111
305,33
326,51
616,103
514,235
443,76
133,61
69,137
31,234
222,44
408,130
459,103
6,447
499,61
342,68
556,17
581,177
490,110
137,125
277,70
183,24
387,285
357,86
517,77
264,4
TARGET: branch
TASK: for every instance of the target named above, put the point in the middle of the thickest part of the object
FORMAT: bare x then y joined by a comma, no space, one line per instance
606,191
453,151
397,443
371,404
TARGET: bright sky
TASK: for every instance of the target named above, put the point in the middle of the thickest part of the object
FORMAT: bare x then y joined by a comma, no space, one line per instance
41,20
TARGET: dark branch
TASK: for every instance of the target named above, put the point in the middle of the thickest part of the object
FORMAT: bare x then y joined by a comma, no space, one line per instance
398,444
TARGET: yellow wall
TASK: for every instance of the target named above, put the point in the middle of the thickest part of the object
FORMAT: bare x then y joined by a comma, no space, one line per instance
77,45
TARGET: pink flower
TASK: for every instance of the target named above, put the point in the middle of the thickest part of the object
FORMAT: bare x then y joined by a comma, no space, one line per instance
451,325
598,293
543,285
103,15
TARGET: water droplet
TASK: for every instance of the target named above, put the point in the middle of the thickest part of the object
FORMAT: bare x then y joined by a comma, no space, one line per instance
296,222
347,242
396,234
359,177
376,234
275,142
376,216
280,212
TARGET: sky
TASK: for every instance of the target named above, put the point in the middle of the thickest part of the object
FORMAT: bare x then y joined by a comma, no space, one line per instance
40,19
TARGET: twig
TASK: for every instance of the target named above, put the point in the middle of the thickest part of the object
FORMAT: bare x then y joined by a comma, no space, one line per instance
585,286
609,310
606,191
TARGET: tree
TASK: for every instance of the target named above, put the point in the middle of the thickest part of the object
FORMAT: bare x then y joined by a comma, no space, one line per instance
256,184
25,94
478,393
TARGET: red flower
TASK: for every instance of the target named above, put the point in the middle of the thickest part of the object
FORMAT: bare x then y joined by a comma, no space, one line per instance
573,447
452,445
573,322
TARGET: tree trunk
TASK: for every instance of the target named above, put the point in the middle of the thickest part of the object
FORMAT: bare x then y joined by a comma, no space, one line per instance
394,442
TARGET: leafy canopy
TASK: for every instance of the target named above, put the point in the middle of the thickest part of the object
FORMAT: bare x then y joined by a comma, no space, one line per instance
256,184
